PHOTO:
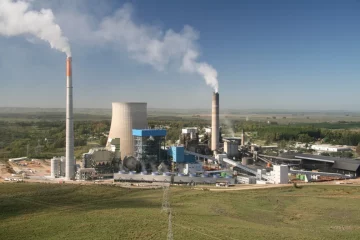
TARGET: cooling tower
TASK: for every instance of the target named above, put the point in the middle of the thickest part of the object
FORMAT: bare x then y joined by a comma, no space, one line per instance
125,117
215,122
70,161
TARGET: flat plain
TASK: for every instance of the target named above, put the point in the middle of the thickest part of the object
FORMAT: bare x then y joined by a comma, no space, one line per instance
68,211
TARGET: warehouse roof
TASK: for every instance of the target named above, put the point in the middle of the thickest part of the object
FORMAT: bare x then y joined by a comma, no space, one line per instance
348,164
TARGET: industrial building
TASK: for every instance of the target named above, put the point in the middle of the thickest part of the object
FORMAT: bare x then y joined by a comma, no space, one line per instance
171,178
330,148
231,147
57,168
126,117
148,145
189,138
346,166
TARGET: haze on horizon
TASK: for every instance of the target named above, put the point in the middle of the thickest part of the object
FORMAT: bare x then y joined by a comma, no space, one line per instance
294,55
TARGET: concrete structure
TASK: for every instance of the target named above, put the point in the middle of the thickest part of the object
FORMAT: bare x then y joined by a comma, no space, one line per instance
192,168
100,159
70,160
281,174
246,179
125,118
231,148
191,131
215,122
58,167
55,167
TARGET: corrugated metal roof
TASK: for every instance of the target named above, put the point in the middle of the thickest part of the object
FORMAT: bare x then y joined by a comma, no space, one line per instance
348,164
316,157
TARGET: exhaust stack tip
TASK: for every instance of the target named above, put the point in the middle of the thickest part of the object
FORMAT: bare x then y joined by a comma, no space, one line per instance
68,66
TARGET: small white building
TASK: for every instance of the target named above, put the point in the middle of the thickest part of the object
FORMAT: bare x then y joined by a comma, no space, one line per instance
330,148
280,174
208,130
192,168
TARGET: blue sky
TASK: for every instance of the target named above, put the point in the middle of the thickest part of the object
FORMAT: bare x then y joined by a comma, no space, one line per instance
268,55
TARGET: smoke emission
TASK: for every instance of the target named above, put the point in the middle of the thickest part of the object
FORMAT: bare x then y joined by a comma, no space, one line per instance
146,44
151,45
229,126
16,18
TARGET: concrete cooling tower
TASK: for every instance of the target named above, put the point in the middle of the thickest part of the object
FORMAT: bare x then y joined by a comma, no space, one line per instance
125,117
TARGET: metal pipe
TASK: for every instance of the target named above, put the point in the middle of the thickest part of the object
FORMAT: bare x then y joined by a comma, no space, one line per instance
70,161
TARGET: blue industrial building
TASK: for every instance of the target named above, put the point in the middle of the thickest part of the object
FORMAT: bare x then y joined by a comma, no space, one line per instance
149,132
148,145
178,155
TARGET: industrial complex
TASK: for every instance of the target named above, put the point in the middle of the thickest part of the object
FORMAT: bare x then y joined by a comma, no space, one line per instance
136,153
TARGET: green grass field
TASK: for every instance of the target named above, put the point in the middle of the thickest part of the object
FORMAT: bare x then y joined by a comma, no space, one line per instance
51,211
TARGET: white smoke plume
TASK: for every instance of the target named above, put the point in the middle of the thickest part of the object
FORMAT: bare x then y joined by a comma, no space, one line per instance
229,126
17,18
150,45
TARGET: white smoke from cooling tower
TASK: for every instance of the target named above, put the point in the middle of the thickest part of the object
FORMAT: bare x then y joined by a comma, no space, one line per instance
16,19
125,118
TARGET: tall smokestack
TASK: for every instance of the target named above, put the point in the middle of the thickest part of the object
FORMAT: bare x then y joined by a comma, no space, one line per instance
243,137
215,122
70,161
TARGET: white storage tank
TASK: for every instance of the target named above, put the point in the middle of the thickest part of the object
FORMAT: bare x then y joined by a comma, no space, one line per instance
55,167
62,166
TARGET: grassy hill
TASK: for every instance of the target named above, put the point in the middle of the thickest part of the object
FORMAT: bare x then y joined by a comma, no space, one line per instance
50,211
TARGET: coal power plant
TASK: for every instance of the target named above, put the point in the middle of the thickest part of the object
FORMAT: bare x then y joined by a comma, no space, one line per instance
136,153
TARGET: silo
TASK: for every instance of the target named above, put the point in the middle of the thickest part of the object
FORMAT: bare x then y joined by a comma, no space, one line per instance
125,117
55,167
62,166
